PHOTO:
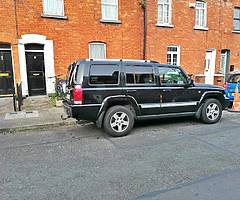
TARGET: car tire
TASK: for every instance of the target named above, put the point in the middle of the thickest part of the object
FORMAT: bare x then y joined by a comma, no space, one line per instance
118,121
211,111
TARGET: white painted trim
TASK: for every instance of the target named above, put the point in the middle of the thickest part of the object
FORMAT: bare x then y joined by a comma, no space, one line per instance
178,54
209,72
48,61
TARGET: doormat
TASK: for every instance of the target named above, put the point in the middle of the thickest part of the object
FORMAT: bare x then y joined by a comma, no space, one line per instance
21,115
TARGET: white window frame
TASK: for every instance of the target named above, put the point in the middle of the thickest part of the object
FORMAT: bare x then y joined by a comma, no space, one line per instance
174,53
234,18
201,24
105,18
52,13
169,19
97,43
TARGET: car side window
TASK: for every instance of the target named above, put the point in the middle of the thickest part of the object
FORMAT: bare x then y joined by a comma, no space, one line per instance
104,74
170,76
143,75
235,79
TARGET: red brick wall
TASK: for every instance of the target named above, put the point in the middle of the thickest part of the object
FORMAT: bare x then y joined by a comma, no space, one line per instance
194,43
72,36
8,31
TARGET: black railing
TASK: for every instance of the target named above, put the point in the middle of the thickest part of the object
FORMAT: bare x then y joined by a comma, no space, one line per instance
18,98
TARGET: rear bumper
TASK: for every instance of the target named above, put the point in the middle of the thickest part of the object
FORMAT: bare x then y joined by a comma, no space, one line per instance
87,112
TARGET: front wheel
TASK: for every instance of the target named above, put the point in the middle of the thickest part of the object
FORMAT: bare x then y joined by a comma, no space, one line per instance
118,121
211,111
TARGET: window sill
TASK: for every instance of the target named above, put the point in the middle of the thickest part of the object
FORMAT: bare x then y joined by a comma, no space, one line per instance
54,16
238,32
110,21
200,28
165,25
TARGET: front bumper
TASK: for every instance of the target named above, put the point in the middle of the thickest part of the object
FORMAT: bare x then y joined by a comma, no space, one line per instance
227,102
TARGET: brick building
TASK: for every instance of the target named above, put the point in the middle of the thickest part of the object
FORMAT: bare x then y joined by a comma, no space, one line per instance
39,39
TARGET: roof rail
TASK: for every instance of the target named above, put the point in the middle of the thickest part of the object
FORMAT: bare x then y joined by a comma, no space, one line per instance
126,60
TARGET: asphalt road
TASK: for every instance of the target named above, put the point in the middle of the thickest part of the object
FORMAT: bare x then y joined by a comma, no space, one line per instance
177,159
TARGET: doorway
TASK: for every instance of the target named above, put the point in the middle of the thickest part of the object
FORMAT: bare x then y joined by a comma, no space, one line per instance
35,69
224,63
210,60
6,70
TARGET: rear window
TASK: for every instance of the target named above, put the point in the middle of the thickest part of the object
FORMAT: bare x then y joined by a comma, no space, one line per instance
79,74
70,73
234,78
104,74
140,75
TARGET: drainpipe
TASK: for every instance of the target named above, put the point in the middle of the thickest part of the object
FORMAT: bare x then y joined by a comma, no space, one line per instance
16,18
144,7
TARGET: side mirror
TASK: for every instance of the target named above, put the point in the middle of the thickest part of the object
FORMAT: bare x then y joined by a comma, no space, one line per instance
189,82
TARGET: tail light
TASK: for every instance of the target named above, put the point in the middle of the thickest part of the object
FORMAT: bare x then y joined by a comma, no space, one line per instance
225,85
78,94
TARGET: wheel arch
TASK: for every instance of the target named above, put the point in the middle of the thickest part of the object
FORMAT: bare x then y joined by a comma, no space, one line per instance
114,101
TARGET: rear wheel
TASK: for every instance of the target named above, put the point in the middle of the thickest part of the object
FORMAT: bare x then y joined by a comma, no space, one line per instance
211,111
118,121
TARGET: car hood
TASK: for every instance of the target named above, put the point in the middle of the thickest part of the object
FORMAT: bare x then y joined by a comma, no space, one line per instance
208,86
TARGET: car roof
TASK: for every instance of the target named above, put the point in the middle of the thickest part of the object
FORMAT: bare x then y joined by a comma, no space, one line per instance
101,61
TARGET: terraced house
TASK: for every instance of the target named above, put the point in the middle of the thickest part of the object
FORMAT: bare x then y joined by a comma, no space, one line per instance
39,39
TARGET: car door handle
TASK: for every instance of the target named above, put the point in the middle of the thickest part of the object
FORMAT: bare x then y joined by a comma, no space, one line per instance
131,90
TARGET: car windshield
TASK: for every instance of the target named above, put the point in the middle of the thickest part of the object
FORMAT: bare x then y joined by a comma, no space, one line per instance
235,78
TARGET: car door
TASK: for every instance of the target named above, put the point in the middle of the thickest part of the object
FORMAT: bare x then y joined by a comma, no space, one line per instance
176,95
141,84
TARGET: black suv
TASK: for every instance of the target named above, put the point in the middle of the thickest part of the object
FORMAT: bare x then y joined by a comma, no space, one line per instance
115,93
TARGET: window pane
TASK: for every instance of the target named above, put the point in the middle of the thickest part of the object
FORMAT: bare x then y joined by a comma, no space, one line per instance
164,11
169,59
200,16
110,10
171,76
53,7
236,24
97,51
160,12
174,59
110,1
236,13
235,79
139,75
104,74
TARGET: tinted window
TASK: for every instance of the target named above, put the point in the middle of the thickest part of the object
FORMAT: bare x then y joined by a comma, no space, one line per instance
235,79
171,76
70,74
104,74
79,74
139,75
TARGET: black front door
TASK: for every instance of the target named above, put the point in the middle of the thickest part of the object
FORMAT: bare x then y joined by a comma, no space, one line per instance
36,73
6,73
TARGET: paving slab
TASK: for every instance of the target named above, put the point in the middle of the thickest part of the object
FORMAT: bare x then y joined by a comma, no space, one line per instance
20,121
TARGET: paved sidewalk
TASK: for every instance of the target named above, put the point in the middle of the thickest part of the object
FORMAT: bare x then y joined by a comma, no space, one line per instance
37,119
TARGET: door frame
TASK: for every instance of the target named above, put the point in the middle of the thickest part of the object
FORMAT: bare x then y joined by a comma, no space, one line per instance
48,61
42,52
212,72
12,59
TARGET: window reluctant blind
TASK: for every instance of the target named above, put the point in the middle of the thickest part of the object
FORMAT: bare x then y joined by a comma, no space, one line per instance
110,10
53,7
201,14
164,11
236,19
97,50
